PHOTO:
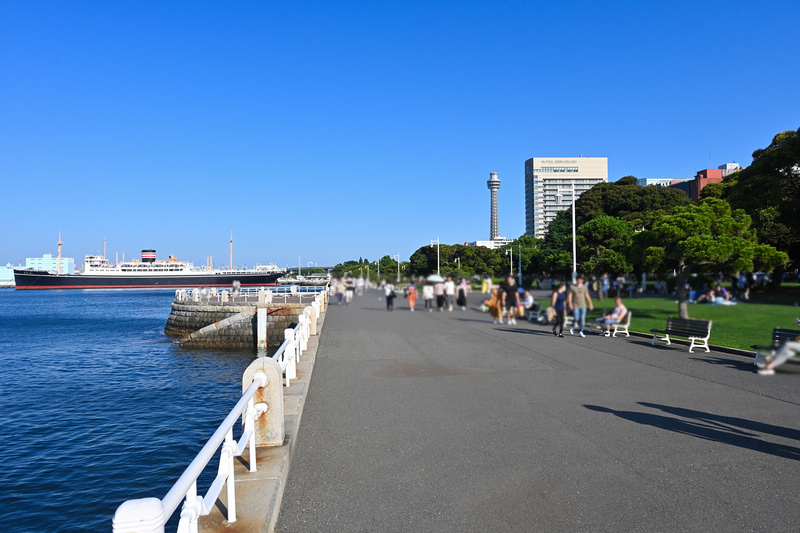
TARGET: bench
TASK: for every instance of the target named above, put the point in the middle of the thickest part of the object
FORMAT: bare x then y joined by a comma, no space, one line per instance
696,330
623,326
534,312
780,336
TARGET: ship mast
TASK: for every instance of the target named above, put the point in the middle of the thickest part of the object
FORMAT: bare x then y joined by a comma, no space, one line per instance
59,253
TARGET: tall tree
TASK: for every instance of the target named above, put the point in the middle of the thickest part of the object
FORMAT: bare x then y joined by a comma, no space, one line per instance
769,191
637,205
603,243
706,237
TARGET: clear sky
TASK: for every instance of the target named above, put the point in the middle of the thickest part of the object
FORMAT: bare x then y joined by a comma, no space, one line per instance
331,131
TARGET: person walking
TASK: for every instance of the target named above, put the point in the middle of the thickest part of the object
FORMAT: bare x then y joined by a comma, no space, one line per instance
412,295
559,306
510,299
441,297
450,292
462,290
576,299
427,295
388,290
604,286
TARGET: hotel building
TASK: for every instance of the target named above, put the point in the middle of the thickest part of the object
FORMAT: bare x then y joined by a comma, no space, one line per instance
548,187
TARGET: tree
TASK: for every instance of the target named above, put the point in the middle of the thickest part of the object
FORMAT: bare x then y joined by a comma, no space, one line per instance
637,205
556,248
603,243
706,237
769,191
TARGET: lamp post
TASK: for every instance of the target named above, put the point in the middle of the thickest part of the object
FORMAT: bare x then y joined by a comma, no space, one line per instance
437,253
397,257
574,248
379,270
458,260
510,251
519,263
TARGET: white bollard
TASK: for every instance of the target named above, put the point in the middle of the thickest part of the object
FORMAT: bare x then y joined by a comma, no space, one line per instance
145,515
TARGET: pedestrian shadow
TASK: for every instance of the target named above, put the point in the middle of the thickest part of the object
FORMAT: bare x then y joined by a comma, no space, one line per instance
733,431
745,366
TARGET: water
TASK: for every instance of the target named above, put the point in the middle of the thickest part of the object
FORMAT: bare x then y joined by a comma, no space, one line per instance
99,406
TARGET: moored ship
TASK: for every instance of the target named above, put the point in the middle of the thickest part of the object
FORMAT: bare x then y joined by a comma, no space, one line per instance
99,273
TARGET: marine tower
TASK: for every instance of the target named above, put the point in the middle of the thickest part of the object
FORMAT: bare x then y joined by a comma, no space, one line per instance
494,185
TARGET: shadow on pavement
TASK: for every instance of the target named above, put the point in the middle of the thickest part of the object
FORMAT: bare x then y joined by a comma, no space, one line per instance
727,430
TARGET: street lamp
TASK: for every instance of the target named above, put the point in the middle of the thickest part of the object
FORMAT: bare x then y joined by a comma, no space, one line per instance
379,269
458,260
397,257
574,249
519,263
510,250
437,253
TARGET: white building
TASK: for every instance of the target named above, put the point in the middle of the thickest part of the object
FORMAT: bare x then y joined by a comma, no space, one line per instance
729,168
548,186
663,182
493,244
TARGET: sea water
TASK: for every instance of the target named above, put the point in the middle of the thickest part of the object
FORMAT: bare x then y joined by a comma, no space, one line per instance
98,406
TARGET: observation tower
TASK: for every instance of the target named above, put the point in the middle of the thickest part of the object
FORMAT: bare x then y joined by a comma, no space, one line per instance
494,185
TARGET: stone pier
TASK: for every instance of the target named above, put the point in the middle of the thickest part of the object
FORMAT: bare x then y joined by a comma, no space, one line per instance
229,324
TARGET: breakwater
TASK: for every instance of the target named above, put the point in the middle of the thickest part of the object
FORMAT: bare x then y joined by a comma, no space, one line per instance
223,320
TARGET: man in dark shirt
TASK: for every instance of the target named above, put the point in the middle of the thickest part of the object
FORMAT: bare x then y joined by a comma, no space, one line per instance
510,299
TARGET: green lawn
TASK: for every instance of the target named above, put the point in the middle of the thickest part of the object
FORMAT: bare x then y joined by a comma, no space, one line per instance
735,326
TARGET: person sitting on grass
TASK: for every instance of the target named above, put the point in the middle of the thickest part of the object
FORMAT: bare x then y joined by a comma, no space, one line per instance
766,367
615,317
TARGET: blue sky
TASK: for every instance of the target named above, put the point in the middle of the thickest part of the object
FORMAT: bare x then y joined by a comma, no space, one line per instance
336,130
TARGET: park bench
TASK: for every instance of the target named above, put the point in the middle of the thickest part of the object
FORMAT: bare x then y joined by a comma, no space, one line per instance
780,336
696,330
622,326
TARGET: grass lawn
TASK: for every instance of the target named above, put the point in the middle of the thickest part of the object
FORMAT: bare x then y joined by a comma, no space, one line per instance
735,326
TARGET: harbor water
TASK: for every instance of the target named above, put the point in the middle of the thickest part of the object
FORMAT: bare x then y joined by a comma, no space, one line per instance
99,406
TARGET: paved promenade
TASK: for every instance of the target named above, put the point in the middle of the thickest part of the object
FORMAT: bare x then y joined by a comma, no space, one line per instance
426,422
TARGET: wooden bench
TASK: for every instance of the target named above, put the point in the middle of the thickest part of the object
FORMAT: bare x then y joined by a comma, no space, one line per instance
780,336
696,330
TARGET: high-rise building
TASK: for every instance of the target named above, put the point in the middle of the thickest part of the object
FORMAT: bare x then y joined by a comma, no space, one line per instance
549,184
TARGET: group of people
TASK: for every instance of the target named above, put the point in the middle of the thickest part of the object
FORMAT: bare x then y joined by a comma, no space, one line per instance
446,292
346,288
576,300
508,301
717,295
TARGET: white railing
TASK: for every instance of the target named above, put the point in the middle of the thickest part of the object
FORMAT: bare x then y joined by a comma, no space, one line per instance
149,515
295,340
282,294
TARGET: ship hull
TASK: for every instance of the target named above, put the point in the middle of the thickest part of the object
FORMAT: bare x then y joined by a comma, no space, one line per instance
31,280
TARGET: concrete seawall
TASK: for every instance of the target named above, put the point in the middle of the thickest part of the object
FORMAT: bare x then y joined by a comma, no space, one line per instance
228,324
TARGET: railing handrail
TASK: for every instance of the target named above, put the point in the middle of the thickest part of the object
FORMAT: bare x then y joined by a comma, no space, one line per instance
181,487
151,514
247,293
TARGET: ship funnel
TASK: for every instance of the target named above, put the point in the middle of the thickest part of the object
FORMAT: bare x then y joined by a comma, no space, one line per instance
148,256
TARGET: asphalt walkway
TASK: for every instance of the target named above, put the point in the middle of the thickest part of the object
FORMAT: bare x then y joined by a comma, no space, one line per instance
445,422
